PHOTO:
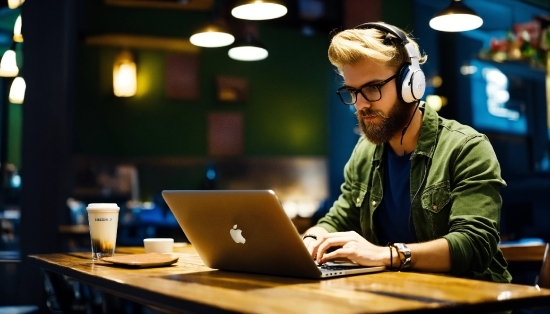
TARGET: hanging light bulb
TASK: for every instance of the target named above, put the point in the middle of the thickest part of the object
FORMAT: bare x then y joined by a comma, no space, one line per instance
457,17
259,9
248,49
14,4
124,75
17,36
8,64
212,36
215,33
17,90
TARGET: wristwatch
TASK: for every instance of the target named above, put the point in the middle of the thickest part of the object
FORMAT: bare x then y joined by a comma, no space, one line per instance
309,235
404,255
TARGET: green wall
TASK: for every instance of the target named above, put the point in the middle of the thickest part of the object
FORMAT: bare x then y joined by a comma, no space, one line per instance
286,111
14,140
399,13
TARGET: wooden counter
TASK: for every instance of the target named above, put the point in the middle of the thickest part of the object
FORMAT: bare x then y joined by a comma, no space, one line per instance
189,286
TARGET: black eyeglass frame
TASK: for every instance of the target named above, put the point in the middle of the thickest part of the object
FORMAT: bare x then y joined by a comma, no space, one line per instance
355,91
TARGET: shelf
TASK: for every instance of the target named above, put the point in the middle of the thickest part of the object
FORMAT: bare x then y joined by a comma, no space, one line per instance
143,42
204,5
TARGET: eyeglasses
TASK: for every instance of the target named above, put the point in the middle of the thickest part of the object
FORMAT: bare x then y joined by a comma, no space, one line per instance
371,92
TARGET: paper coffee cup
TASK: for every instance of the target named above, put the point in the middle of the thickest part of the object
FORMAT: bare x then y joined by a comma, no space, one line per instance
103,220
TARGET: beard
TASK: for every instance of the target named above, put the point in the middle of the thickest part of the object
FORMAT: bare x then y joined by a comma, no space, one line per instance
394,122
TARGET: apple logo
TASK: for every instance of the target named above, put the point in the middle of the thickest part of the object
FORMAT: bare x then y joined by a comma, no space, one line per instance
236,235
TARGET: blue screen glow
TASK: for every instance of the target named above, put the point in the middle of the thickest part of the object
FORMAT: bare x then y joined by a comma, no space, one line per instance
493,105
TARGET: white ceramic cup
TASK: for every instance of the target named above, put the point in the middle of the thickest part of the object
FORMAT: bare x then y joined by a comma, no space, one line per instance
103,220
158,245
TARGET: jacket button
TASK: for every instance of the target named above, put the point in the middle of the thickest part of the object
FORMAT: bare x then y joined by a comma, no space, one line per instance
373,203
434,207
358,200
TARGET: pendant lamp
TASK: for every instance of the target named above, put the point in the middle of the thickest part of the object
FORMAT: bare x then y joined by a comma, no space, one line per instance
17,90
259,9
8,64
17,36
14,4
248,49
457,17
215,33
124,75
212,35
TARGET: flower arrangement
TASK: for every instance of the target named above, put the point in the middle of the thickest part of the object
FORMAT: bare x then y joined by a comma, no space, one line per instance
526,42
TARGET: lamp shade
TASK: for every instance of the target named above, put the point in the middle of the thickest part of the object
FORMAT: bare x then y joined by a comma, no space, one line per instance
212,36
248,49
259,9
8,64
17,36
457,17
17,90
14,4
124,75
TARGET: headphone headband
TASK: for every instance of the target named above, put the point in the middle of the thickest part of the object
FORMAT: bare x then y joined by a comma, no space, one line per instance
387,28
409,48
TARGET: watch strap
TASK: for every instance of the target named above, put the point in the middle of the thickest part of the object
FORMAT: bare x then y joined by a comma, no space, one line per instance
309,235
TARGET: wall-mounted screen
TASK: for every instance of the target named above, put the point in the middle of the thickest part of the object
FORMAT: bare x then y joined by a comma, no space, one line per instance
499,98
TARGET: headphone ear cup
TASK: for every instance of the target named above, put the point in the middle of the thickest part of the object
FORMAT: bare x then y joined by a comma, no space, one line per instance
413,84
404,87
418,84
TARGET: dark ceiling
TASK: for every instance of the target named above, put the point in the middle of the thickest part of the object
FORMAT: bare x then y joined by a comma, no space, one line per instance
319,15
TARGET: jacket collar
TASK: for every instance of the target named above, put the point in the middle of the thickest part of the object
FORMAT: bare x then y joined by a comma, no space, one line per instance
428,131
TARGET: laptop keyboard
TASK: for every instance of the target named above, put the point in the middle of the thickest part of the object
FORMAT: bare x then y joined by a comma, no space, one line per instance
327,267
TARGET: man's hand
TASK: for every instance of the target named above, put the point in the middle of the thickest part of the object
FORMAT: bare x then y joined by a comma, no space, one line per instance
310,242
431,256
348,245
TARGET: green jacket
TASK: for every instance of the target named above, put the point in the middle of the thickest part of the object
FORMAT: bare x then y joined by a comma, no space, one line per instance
455,182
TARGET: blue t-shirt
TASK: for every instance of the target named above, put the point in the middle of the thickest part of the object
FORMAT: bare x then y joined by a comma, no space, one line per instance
392,219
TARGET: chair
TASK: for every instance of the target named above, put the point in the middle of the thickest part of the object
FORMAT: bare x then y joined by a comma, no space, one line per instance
543,280
524,262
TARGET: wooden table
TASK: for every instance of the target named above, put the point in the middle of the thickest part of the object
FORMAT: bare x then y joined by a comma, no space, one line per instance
189,286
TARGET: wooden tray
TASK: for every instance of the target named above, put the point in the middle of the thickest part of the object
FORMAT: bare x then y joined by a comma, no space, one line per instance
142,260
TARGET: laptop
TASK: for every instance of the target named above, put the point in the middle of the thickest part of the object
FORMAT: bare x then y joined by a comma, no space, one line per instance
248,231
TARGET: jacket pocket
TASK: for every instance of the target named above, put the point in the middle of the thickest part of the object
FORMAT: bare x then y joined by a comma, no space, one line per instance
358,192
436,196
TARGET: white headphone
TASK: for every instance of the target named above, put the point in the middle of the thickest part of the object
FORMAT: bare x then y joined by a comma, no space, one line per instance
411,77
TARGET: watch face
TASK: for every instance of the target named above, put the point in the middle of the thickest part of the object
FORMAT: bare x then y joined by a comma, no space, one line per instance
404,254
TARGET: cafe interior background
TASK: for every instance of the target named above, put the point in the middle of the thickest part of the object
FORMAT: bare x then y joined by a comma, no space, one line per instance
200,119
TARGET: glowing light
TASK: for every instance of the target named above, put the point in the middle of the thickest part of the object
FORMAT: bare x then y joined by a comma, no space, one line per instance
212,39
248,53
17,91
259,10
124,75
8,64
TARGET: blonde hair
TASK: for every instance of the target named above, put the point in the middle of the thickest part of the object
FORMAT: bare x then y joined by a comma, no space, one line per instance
352,45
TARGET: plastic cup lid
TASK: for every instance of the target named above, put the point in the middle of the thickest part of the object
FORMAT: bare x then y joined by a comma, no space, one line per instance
158,240
102,206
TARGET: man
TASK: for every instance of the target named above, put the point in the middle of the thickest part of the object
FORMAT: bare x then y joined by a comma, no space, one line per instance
421,192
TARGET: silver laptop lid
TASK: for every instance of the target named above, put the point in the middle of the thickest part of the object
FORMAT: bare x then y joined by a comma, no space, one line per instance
244,230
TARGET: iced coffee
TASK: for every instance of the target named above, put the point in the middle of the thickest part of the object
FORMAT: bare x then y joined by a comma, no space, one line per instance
103,219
